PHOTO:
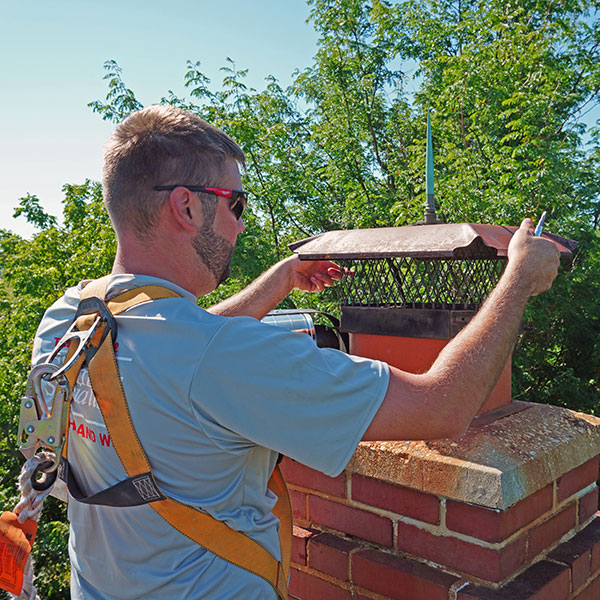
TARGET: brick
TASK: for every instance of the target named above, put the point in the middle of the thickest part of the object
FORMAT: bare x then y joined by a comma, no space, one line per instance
588,505
587,541
591,592
590,535
551,530
398,578
298,500
330,554
495,525
395,498
542,581
489,564
575,480
305,586
575,554
299,544
296,473
353,521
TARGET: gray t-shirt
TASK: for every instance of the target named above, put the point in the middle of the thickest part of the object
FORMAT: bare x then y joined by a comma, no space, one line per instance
213,400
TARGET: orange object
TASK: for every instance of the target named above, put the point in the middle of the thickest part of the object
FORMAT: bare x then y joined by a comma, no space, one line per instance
416,355
16,540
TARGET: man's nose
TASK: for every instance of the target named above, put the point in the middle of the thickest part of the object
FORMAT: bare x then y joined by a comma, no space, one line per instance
240,225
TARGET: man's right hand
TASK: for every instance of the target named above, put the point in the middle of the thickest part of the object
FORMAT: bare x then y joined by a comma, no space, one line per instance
536,259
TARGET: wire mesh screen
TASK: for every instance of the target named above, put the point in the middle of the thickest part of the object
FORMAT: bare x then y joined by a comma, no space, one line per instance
445,284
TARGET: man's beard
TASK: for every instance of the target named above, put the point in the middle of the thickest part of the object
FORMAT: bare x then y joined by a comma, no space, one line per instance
214,251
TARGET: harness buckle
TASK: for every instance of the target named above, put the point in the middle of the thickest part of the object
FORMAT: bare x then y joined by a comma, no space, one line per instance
43,417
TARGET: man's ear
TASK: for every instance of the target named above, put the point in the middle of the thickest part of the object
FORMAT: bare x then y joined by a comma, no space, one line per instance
184,208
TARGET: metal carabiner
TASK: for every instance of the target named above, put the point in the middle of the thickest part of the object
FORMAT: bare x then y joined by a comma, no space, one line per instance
43,419
43,422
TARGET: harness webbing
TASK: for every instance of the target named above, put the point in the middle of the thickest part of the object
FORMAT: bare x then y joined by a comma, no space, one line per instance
200,527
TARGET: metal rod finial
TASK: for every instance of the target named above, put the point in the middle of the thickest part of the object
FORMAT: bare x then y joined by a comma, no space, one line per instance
430,214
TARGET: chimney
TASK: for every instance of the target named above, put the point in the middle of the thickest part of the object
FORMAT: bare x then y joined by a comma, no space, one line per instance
507,511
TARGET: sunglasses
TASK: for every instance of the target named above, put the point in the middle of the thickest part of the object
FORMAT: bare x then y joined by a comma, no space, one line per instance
237,198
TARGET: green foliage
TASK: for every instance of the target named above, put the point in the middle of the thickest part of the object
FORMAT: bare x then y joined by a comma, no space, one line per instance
344,147
507,84
31,209
120,99
50,552
506,98
35,273
361,121
558,361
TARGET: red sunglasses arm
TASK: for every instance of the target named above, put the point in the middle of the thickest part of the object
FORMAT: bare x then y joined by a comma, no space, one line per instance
220,191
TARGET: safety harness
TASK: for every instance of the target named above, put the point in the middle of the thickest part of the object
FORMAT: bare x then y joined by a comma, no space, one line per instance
94,329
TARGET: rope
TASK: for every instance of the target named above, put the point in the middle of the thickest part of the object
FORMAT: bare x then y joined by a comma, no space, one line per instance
30,507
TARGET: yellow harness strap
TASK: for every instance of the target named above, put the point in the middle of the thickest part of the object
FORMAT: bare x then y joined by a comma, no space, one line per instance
206,531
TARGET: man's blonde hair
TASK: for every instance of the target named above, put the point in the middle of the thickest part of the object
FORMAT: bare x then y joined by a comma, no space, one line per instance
159,145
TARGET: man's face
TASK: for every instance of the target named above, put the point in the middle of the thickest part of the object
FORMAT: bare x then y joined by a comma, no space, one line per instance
215,240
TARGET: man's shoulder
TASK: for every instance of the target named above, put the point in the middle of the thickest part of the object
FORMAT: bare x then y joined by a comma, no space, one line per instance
59,316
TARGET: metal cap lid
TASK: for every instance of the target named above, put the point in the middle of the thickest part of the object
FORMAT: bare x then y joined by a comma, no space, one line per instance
453,240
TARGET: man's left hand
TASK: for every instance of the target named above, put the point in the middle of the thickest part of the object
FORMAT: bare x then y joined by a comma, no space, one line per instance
313,275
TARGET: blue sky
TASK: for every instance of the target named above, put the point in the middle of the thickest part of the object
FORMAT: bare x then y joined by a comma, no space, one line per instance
52,66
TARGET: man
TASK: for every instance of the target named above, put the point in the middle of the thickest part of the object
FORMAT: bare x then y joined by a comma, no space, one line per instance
215,399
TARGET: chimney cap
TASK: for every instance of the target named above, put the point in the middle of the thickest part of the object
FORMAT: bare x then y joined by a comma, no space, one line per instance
452,240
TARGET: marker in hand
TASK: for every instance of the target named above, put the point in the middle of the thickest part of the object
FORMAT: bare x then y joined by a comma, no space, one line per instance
540,226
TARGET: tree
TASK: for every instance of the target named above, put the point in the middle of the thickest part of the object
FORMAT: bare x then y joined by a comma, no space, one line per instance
362,124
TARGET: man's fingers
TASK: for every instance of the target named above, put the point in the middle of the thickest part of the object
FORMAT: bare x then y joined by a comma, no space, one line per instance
334,273
536,258
527,224
314,277
317,284
323,278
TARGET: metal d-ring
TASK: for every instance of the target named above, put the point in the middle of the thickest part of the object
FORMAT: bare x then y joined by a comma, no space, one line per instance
48,478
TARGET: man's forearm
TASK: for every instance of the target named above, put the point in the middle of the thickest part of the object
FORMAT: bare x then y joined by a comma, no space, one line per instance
442,402
266,292
468,368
